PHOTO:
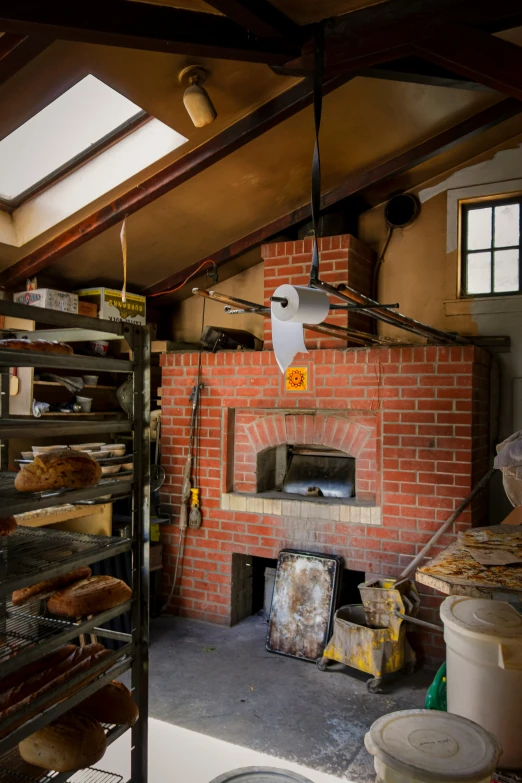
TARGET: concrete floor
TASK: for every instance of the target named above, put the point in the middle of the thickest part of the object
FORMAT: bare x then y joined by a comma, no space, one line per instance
221,682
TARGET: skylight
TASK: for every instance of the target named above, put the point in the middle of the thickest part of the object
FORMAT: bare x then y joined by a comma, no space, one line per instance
68,128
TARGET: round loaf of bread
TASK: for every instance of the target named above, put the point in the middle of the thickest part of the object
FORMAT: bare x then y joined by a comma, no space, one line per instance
111,704
59,469
89,596
74,741
7,526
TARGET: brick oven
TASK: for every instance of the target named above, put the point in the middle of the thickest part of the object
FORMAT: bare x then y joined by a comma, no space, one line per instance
411,422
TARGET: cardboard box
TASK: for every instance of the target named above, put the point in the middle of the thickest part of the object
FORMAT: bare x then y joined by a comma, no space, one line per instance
49,299
87,308
110,306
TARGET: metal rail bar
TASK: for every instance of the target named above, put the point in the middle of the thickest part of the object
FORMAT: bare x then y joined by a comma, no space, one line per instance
362,338
45,428
60,319
420,623
398,320
24,502
71,631
140,344
29,358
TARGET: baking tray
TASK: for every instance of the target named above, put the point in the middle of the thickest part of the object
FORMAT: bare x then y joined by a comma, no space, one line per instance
305,595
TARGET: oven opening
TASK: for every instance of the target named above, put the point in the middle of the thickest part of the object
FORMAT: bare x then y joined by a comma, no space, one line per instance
308,471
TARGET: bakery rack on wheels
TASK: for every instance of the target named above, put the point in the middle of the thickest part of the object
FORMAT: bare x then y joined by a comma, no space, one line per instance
32,555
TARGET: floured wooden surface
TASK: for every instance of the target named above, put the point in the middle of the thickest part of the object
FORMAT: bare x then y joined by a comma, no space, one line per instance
49,516
457,566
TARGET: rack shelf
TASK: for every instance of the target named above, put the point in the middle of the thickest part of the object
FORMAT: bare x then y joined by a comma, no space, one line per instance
87,385
33,555
14,502
22,427
29,633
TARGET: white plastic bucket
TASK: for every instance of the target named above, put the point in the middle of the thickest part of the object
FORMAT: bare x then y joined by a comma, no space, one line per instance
426,746
484,668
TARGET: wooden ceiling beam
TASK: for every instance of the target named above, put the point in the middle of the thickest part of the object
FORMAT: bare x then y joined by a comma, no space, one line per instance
248,128
260,17
354,184
18,50
477,55
414,70
138,25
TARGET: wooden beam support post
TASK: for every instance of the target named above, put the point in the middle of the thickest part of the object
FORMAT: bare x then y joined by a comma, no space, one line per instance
355,183
261,18
137,25
478,56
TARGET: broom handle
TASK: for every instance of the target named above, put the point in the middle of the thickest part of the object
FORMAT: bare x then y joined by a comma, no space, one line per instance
458,511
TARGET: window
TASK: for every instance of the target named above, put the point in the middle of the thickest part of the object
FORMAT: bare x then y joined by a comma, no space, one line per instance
69,130
491,246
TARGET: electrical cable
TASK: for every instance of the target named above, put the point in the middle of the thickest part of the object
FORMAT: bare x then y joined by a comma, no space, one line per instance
172,290
316,162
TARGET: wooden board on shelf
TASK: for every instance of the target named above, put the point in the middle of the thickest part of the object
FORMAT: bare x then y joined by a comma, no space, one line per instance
54,514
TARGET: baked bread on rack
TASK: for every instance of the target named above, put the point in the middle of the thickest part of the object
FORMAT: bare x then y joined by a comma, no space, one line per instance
65,468
48,585
73,741
90,596
7,526
111,704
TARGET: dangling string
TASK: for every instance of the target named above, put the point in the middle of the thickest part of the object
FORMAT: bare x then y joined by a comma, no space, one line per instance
123,240
316,163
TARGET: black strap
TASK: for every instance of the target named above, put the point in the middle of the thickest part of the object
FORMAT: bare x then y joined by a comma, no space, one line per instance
316,163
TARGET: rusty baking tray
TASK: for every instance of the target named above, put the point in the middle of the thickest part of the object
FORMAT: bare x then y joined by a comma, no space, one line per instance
305,595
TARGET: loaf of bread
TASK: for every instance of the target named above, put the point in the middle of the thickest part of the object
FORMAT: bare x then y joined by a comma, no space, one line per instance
90,596
41,677
58,469
7,526
111,704
74,741
20,596
45,346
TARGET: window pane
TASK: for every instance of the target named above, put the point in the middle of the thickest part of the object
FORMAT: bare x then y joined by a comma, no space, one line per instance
507,230
479,273
505,271
67,127
479,228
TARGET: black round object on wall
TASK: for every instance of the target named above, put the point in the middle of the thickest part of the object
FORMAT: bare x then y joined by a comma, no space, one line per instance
402,210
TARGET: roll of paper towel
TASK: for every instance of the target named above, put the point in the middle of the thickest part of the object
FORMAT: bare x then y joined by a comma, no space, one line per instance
305,306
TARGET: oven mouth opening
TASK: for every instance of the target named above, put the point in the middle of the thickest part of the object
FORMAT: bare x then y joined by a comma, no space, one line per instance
304,471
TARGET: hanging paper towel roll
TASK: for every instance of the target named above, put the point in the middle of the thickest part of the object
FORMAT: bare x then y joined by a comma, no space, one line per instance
305,306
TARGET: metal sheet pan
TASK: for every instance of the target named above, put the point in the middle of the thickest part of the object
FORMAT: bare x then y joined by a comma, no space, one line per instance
304,600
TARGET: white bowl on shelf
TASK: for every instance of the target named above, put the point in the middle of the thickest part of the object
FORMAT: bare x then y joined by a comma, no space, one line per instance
107,470
46,449
87,446
27,454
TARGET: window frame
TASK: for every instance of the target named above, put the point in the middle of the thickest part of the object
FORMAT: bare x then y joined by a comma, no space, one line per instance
123,130
482,203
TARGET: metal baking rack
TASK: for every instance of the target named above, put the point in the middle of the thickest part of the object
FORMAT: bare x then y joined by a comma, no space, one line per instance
32,555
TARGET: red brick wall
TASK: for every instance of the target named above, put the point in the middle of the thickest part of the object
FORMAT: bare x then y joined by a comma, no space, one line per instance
343,259
427,411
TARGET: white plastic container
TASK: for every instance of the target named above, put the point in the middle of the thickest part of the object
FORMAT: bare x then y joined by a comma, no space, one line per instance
426,746
484,668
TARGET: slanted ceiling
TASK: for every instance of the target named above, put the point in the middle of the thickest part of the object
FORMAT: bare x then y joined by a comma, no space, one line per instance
364,121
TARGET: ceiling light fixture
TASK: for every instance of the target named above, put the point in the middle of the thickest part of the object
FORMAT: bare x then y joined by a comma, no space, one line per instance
196,99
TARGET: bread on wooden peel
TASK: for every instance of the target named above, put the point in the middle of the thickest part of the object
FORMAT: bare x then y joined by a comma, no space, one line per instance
89,596
26,593
73,741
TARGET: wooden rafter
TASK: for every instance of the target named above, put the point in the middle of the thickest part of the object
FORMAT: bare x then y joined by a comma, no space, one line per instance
231,139
477,55
143,26
355,183
18,50
260,17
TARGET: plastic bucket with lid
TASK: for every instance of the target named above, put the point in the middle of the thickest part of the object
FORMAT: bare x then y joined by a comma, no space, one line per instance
484,668
423,746
260,775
